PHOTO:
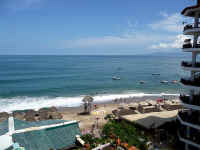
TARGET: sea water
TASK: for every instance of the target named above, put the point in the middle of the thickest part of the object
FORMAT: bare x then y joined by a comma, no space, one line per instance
32,82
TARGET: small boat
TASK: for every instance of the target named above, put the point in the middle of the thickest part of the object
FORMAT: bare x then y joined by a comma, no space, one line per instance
164,81
142,82
174,81
115,78
155,74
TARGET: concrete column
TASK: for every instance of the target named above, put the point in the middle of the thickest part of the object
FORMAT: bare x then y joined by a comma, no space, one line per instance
195,40
198,2
196,22
11,126
186,147
188,132
194,57
191,93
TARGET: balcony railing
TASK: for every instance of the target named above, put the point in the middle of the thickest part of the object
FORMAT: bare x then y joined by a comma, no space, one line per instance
192,82
181,129
191,100
189,26
193,134
189,45
192,118
189,64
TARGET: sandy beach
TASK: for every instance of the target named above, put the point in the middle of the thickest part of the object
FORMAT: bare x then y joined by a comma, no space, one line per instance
96,117
86,121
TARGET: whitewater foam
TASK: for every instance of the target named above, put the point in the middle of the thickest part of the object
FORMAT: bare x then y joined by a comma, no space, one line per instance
22,103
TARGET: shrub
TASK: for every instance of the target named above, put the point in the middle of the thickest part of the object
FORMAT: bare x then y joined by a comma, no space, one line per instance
125,131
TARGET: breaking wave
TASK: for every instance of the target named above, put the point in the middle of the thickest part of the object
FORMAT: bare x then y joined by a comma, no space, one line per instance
22,103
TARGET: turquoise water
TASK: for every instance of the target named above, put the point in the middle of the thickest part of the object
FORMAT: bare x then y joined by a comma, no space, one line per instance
62,80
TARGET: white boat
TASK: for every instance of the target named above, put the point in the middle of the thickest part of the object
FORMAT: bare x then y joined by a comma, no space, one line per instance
174,81
115,78
142,82
164,81
155,74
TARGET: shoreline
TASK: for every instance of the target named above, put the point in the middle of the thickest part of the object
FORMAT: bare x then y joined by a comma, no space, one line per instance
87,121
121,101
36,103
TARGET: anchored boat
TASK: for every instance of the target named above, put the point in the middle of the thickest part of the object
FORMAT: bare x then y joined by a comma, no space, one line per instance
164,81
155,74
115,78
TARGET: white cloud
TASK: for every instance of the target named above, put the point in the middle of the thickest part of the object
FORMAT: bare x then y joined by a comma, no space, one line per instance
123,41
170,23
162,34
173,43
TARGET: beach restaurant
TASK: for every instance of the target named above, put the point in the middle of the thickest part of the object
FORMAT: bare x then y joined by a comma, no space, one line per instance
151,120
43,135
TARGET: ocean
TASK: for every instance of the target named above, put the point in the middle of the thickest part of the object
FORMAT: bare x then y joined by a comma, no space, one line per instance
32,82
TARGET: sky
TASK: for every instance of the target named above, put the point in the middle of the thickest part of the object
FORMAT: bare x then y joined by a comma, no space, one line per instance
91,27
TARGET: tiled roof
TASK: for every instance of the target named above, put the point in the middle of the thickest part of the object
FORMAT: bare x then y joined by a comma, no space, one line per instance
3,127
20,124
56,137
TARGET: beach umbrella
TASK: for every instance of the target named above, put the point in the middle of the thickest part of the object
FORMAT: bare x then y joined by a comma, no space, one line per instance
87,103
99,112
88,99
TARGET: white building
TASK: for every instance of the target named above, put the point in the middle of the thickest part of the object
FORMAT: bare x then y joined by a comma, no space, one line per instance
189,119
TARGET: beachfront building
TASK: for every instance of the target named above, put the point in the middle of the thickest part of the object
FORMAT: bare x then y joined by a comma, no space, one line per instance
41,135
189,118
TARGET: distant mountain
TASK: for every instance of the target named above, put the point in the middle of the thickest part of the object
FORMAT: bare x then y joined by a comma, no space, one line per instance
169,54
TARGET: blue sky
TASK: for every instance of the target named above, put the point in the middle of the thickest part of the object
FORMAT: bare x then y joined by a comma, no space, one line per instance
90,26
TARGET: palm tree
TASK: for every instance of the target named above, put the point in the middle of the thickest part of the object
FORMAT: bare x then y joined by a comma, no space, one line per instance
87,103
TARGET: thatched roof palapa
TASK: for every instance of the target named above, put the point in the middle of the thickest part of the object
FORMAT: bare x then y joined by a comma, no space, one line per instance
88,99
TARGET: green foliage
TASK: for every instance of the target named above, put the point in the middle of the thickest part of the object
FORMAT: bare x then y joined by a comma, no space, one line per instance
89,139
93,141
125,131
109,117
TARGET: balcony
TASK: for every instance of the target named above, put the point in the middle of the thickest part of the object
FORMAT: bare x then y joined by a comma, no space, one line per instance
192,138
189,67
188,26
189,47
192,102
189,64
181,129
192,119
191,82
189,29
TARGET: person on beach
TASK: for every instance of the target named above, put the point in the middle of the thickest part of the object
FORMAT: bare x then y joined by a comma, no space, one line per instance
95,106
